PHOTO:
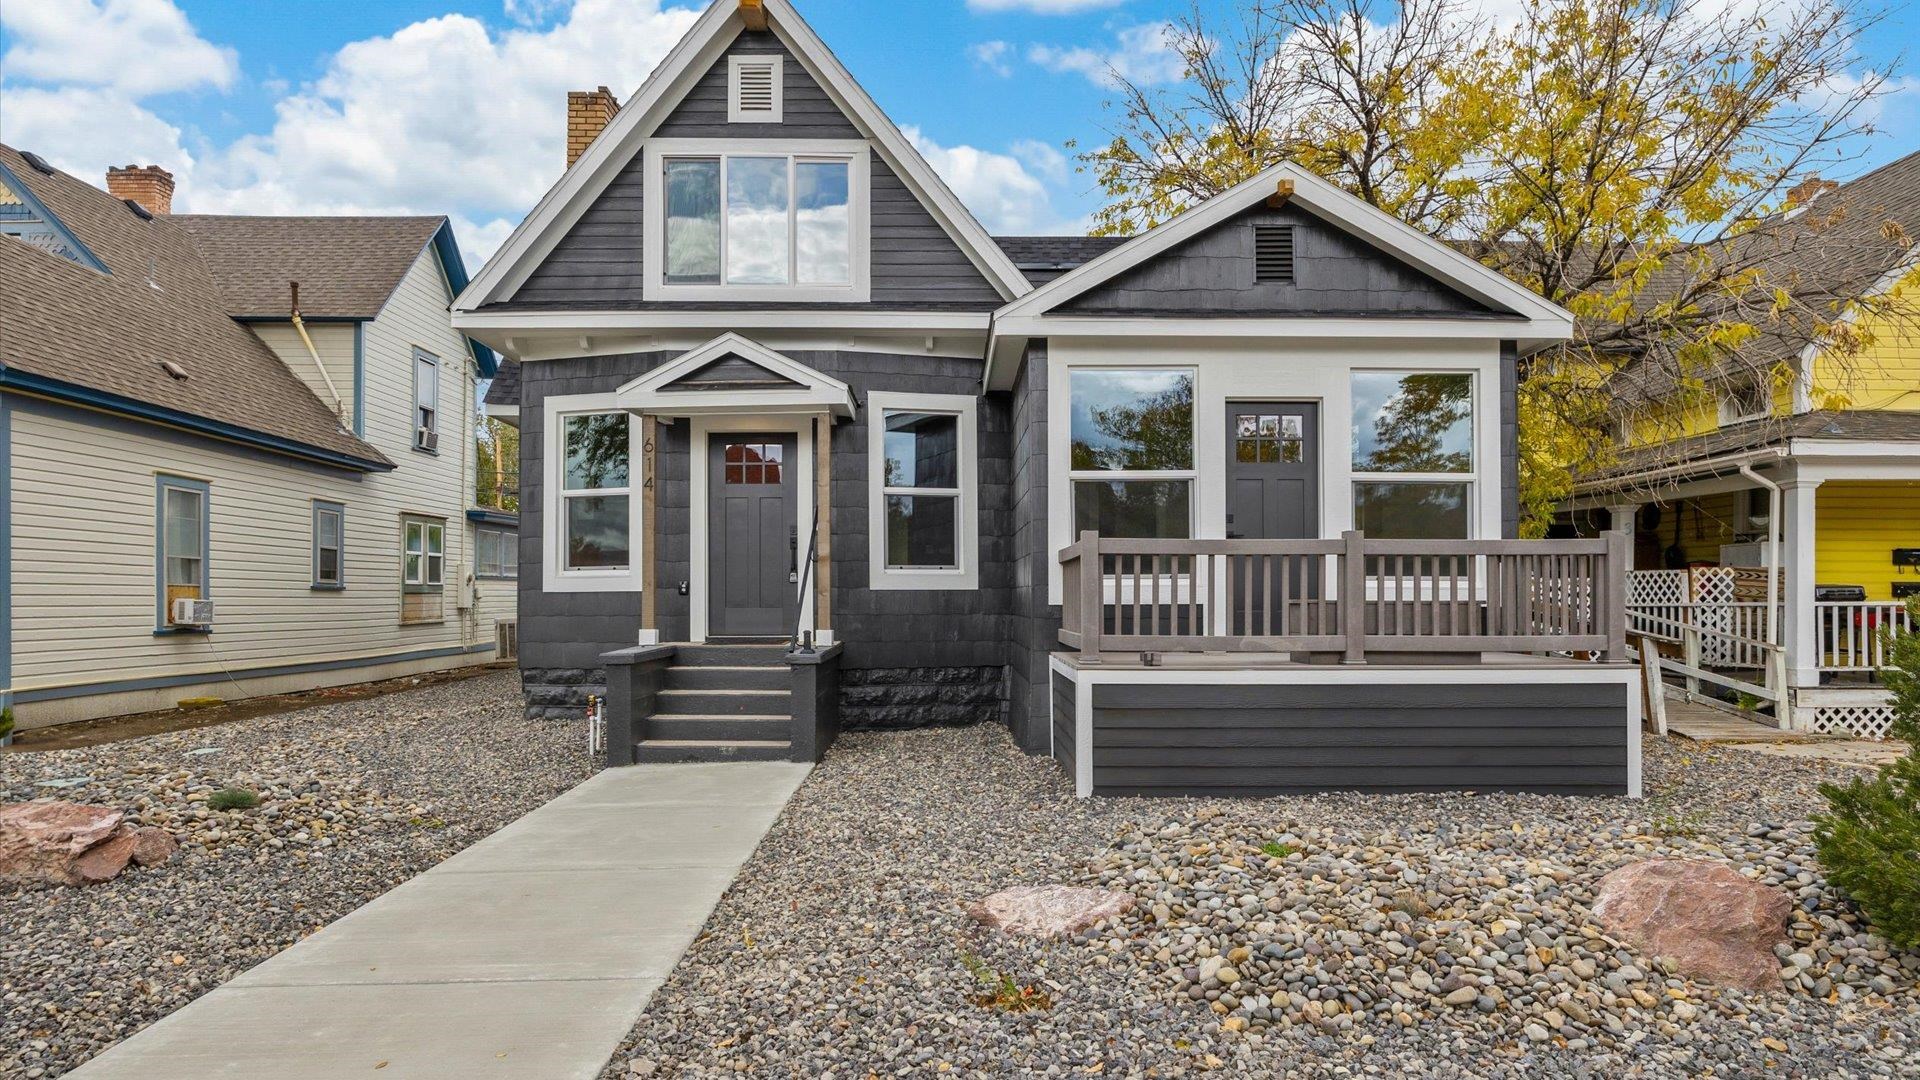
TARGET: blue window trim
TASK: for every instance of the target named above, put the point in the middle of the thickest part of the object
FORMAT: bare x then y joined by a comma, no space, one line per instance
87,257
455,267
161,482
322,506
413,424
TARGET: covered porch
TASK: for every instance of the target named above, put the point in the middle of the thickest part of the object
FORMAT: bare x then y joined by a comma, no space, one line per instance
1277,666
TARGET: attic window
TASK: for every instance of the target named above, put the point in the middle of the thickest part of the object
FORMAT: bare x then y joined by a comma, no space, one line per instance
754,89
1273,254
1745,401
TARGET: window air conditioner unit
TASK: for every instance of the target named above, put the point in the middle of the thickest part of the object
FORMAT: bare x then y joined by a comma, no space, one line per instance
426,438
188,612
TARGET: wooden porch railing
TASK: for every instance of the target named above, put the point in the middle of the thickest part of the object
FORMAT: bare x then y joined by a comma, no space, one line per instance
1241,596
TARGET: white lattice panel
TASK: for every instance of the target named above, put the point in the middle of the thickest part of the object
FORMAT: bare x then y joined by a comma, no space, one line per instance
1859,721
1655,587
1713,584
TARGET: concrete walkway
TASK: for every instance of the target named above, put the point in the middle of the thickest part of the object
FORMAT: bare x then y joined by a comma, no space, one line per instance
527,956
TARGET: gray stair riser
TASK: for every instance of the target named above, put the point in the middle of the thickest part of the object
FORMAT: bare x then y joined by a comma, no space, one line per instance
655,754
718,728
715,702
731,655
720,678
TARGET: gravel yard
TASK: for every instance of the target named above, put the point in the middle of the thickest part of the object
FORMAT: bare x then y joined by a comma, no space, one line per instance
1433,936
356,798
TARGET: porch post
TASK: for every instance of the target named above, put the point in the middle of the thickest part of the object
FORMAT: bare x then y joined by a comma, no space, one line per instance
649,545
1353,596
1802,636
1621,518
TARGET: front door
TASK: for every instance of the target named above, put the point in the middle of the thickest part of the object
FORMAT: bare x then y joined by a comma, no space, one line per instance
1273,493
752,535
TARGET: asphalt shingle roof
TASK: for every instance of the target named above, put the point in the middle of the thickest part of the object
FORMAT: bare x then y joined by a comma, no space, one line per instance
109,332
346,266
1834,424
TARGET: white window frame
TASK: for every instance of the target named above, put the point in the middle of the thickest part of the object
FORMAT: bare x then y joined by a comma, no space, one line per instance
1734,411
735,115
339,512
555,576
421,401
433,568
1470,478
1190,475
506,552
855,152
967,546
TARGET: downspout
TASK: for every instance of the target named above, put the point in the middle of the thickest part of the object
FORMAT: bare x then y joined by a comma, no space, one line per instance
339,406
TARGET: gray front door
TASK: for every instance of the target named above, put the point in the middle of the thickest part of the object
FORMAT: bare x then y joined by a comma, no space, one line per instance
752,535
1273,493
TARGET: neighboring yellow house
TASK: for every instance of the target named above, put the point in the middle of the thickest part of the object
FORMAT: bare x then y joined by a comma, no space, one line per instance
1822,467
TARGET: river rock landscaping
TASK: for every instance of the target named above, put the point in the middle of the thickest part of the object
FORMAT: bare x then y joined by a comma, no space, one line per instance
1335,935
353,798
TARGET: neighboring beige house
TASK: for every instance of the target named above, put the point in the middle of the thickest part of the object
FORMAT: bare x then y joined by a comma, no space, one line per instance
236,453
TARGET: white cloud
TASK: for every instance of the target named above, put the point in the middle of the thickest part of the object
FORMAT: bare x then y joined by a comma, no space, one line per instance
86,130
1042,158
992,56
1039,7
998,188
1140,54
136,47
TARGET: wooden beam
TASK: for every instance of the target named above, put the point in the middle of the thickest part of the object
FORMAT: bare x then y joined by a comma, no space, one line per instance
1282,191
754,14
649,612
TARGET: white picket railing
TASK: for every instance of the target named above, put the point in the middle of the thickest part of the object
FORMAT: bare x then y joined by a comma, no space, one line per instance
1853,636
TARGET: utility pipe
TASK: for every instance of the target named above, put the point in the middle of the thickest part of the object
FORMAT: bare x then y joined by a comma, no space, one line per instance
339,406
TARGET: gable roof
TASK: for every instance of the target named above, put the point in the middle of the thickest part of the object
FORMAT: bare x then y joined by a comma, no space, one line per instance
1425,253
347,267
777,383
688,61
1043,258
97,337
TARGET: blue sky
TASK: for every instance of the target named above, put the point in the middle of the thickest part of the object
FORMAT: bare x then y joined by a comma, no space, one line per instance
456,106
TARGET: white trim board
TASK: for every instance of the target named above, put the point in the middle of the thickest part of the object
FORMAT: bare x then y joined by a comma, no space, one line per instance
690,59
699,516
815,394
554,577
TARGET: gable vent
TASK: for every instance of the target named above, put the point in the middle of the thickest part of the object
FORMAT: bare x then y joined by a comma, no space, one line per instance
753,89
1273,254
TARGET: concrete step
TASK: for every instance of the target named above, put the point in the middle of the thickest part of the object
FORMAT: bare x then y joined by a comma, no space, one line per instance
730,655
711,728
665,751
723,702
719,677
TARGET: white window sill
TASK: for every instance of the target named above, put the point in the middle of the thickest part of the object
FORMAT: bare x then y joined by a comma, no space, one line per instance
924,580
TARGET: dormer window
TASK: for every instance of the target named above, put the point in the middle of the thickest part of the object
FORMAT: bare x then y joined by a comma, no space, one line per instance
754,90
740,220
1747,401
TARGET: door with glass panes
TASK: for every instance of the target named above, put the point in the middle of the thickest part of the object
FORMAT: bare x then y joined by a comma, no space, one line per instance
1273,493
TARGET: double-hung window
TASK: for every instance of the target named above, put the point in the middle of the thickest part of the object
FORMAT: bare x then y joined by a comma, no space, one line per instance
424,562
329,545
924,526
426,401
181,513
743,221
1131,456
1413,454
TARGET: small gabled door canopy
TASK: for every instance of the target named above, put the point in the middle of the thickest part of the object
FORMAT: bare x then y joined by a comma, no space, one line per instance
774,384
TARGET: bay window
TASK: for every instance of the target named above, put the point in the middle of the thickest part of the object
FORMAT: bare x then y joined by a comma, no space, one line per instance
924,476
1413,454
1131,453
741,220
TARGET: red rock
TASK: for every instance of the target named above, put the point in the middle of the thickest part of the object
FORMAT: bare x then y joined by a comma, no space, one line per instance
41,841
1049,910
105,860
152,846
1714,923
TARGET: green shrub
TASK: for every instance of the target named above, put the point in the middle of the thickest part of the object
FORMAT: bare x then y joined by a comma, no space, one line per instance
6,721
1869,840
233,798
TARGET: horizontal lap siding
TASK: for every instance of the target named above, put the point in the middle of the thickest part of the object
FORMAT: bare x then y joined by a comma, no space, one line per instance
1271,739
1063,722
598,263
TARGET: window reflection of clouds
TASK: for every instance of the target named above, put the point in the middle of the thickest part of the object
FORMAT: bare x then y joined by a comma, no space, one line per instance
1394,412
1109,393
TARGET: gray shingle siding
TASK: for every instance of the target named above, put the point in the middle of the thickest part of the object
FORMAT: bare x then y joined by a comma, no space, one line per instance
1062,706
1035,624
1335,274
597,265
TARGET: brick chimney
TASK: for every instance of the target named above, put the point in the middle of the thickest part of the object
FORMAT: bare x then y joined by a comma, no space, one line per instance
149,185
588,114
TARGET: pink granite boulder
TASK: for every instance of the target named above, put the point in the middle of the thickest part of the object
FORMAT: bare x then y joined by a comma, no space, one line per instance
1713,923
1049,911
61,843
152,846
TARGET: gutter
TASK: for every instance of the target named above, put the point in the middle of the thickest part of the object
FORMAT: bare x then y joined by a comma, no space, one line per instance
1711,466
54,389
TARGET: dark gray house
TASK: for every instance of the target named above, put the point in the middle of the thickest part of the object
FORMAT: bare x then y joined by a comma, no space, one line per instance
1224,507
